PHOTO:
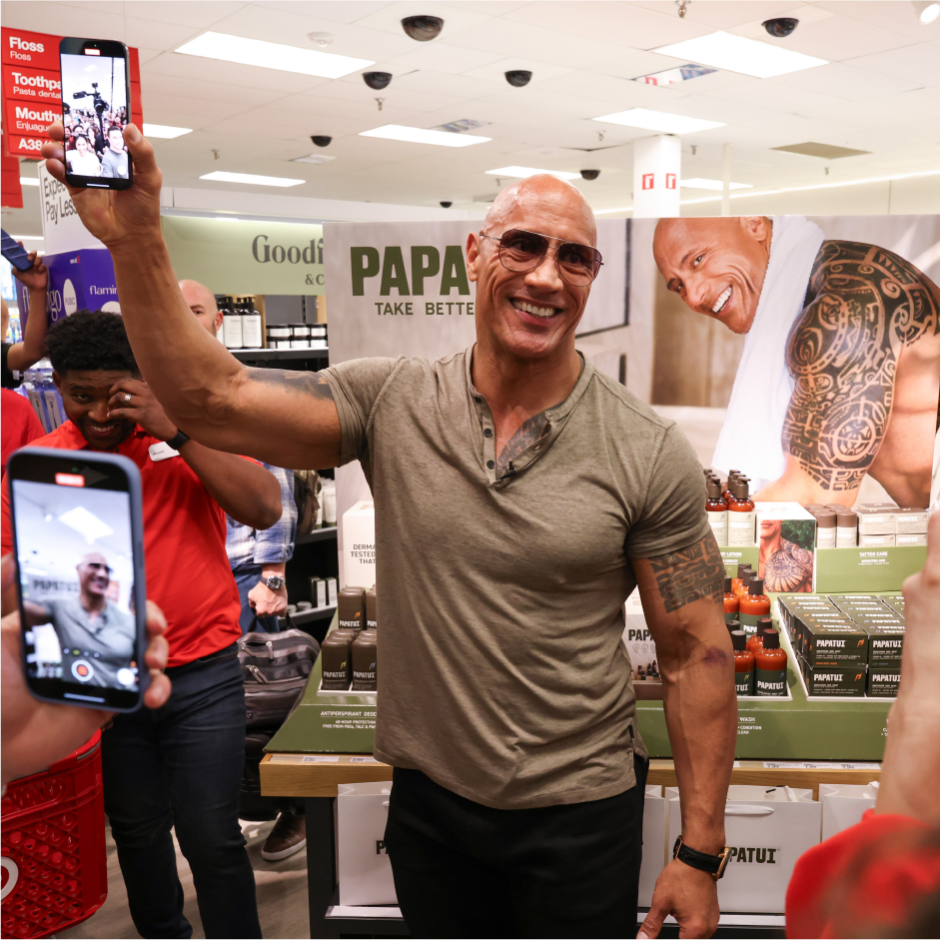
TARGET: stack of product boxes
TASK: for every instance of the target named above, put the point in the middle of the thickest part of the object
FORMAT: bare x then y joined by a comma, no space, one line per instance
869,525
847,645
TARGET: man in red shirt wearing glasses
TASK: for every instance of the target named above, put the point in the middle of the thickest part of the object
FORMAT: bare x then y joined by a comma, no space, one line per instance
520,497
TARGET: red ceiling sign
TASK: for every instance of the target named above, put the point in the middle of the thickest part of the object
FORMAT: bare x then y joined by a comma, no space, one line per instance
32,90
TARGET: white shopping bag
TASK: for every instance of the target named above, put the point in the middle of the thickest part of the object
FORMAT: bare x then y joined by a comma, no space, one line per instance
654,843
363,867
767,830
843,805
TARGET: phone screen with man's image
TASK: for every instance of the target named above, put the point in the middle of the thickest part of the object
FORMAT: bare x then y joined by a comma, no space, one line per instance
80,580
95,111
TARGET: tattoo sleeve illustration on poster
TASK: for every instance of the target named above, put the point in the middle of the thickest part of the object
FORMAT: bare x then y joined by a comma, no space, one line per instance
822,341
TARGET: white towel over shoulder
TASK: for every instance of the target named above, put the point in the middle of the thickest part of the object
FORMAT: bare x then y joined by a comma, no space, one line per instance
750,438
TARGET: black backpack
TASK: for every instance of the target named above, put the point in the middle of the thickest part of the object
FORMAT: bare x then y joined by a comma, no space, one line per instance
275,669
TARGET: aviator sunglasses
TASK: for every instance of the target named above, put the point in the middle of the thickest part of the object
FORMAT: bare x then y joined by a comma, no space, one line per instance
521,252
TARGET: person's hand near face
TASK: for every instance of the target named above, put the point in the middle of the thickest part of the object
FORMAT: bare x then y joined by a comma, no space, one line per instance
35,734
132,400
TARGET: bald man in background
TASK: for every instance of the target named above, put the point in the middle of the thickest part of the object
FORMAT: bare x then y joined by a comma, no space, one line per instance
521,495
201,301
863,354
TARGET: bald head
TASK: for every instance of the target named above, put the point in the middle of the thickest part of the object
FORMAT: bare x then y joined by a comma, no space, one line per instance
201,301
94,576
716,265
538,195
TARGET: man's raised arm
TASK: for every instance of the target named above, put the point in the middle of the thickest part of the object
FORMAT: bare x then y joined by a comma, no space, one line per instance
287,418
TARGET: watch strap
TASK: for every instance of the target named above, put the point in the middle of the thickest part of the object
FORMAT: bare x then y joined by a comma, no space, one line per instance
713,864
178,440
279,582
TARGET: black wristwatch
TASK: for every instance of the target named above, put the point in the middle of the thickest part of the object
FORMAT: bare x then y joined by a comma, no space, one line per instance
274,583
714,864
178,440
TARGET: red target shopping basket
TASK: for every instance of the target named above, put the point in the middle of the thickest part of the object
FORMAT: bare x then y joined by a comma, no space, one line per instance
55,869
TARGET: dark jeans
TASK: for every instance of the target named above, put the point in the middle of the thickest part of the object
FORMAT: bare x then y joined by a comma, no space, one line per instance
181,766
246,577
465,870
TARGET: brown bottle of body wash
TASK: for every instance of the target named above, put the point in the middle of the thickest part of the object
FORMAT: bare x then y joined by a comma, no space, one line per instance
753,605
740,514
716,509
770,666
730,602
365,649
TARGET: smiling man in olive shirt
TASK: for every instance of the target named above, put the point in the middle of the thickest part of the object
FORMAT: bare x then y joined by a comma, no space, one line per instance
520,495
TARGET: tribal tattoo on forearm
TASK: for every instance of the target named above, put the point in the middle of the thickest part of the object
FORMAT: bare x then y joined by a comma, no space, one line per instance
690,574
864,305
311,384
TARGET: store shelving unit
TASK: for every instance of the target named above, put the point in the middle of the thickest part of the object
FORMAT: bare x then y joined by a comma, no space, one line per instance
277,355
317,535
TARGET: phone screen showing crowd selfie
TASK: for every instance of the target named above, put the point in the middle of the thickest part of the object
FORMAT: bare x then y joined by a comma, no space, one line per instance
80,568
95,111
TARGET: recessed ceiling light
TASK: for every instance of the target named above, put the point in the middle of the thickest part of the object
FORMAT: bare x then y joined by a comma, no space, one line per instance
524,172
164,131
29,181
658,121
272,55
420,135
737,54
717,185
27,238
927,12
220,176
314,158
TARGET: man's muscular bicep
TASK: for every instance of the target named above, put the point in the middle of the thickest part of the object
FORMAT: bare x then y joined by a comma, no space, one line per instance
689,575
842,354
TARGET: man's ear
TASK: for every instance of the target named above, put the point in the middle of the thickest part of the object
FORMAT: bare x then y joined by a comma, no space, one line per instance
473,255
757,227
57,380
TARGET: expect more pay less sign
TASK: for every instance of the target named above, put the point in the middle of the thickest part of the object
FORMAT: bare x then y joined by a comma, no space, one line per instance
32,89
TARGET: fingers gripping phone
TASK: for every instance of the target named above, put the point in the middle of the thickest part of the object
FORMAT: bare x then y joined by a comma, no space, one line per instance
78,538
14,252
96,107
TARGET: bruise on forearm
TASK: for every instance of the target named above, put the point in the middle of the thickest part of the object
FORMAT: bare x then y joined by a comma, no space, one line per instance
867,305
689,575
309,384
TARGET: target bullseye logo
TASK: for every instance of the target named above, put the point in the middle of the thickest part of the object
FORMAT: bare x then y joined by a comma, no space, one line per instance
82,670
11,874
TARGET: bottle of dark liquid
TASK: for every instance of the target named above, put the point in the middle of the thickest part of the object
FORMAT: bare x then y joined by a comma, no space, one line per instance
716,509
336,660
757,640
372,610
365,649
351,604
753,605
771,666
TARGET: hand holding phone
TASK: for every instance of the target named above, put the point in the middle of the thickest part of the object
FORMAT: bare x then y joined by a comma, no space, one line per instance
96,107
78,539
35,734
14,252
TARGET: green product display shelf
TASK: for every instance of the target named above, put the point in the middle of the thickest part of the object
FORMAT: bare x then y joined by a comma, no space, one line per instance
330,722
866,570
840,729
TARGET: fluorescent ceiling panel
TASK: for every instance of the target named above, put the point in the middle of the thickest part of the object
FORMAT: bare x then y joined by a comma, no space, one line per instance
29,181
716,185
737,54
220,176
272,55
524,172
420,135
27,238
164,131
658,121
86,523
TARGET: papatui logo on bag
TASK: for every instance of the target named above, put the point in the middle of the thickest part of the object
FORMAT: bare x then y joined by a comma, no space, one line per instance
754,855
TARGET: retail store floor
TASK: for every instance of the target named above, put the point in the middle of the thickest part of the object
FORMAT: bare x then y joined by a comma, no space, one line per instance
281,888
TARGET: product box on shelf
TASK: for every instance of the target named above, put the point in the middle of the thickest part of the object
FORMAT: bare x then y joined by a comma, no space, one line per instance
843,805
363,868
767,832
834,681
886,645
654,843
876,519
359,545
884,682
904,539
867,569
834,644
786,536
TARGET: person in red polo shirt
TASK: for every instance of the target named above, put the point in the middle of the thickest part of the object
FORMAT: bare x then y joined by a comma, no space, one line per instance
180,765
20,424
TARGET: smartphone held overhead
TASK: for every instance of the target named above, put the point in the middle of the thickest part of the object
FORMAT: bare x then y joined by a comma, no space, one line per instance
78,540
96,107
14,252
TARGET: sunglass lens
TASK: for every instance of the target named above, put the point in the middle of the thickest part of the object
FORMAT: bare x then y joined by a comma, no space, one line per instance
579,262
519,250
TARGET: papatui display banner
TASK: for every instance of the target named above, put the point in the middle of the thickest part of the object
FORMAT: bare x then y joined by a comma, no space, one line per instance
820,339
401,289
32,89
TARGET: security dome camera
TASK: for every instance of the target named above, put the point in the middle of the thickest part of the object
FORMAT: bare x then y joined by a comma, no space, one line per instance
377,80
321,140
519,78
780,27
446,203
590,174
422,28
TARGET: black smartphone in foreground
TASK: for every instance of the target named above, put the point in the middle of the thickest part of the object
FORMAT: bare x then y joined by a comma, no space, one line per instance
96,107
14,252
78,541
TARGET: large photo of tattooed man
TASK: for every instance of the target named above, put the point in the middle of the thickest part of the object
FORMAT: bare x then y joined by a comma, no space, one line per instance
821,340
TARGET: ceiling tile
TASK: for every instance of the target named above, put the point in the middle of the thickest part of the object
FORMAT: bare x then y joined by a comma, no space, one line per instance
919,64
896,16
773,94
725,14
496,71
195,68
444,57
716,109
339,11
838,38
845,81
184,87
